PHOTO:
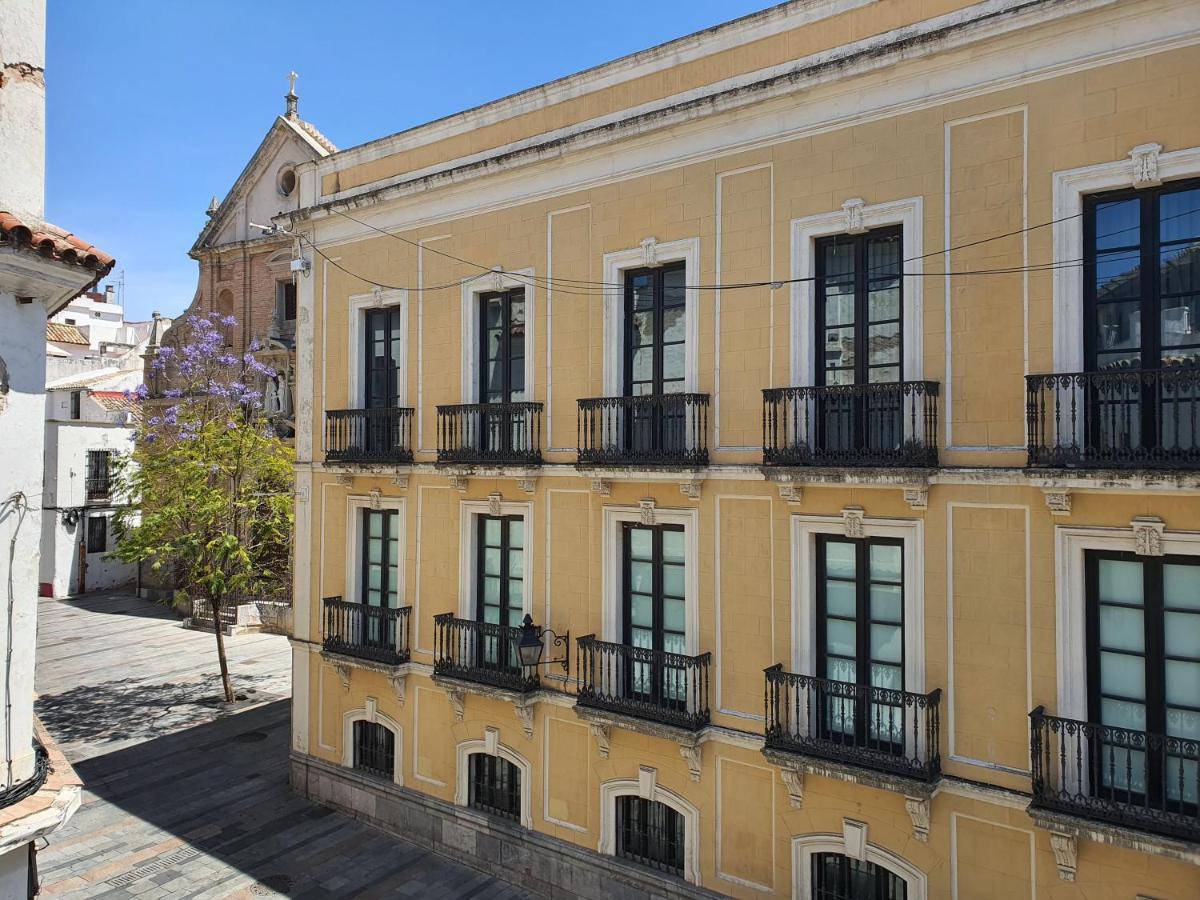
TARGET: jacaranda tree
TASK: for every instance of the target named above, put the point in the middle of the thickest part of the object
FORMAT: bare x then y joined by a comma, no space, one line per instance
209,482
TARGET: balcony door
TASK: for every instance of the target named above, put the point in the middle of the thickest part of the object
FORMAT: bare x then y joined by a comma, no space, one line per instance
1143,630
384,336
859,315
499,588
1142,312
502,370
380,586
654,613
860,641
655,357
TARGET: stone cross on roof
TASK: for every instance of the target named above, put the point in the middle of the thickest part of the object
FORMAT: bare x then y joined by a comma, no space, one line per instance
291,95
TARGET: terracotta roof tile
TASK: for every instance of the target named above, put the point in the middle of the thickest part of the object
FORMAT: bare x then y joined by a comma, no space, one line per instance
65,334
116,401
55,243
312,131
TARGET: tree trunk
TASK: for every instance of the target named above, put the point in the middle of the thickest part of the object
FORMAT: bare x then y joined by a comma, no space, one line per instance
226,684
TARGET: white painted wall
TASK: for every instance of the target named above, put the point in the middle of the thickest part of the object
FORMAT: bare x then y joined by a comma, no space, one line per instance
23,110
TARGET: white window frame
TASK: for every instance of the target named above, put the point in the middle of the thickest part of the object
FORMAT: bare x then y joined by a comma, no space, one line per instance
370,713
1070,188
472,288
354,538
360,304
649,254
909,215
649,789
1071,545
491,746
804,589
611,554
468,551
805,847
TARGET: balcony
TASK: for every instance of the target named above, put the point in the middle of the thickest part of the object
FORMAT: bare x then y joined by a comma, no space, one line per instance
667,688
1115,419
649,430
376,633
480,652
884,424
1131,779
369,435
877,729
490,433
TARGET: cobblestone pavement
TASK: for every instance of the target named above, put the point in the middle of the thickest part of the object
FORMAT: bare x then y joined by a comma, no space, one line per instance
183,798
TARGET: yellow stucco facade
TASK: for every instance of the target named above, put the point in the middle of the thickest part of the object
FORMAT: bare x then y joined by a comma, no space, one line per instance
965,126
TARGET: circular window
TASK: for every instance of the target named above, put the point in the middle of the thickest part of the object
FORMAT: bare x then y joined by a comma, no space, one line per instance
287,181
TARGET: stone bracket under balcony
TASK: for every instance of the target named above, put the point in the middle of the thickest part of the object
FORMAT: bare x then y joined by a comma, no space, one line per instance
344,664
601,723
1068,830
523,704
852,774
791,481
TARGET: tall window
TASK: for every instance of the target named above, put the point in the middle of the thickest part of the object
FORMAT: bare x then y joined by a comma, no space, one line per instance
285,301
838,877
97,482
97,534
381,558
654,614
494,786
374,749
650,833
860,637
859,314
502,370
1143,627
384,336
75,404
500,584
655,330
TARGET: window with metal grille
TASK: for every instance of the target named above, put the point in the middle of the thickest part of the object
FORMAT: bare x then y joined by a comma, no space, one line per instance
838,877
650,833
99,473
495,786
374,749
97,534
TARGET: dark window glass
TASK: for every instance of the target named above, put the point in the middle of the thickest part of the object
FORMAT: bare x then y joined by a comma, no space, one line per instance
838,877
502,347
286,297
1144,672
384,346
1142,277
75,403
375,749
860,636
650,833
655,330
499,583
495,786
98,481
654,614
97,534
381,558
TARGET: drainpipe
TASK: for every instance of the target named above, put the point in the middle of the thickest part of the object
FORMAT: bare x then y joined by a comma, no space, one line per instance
16,503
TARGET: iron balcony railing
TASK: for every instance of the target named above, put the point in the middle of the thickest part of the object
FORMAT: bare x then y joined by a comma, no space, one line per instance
649,684
875,728
367,632
98,487
501,433
884,424
369,435
480,651
651,429
1128,778
1115,419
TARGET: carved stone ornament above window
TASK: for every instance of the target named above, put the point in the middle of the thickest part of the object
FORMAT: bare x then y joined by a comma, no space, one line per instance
1145,165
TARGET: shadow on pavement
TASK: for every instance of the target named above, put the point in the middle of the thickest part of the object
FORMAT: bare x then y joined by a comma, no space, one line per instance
117,603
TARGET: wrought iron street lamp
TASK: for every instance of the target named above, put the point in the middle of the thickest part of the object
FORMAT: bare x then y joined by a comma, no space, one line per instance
532,644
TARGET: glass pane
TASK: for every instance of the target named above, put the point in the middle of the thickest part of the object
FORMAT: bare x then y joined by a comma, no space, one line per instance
885,562
491,561
1118,224
884,375
643,328
840,559
492,345
516,309
1118,275
516,563
887,643
840,637
491,615
884,303
674,281
674,643
884,676
491,591
1122,629
839,260
1120,714
643,364
839,347
1120,581
841,670
643,295
674,361
673,615
1183,683
883,256
1179,268
887,603
516,593
1183,723
674,324
642,637
673,581
672,546
494,312
641,543
1181,586
1123,675
1179,215
641,576
1119,326
516,533
840,598
839,304
374,578
885,343
1182,631
491,532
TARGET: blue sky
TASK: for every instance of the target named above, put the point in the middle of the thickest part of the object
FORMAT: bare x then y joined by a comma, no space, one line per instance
153,107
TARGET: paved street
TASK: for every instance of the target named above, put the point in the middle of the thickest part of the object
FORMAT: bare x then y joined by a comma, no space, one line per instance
185,799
